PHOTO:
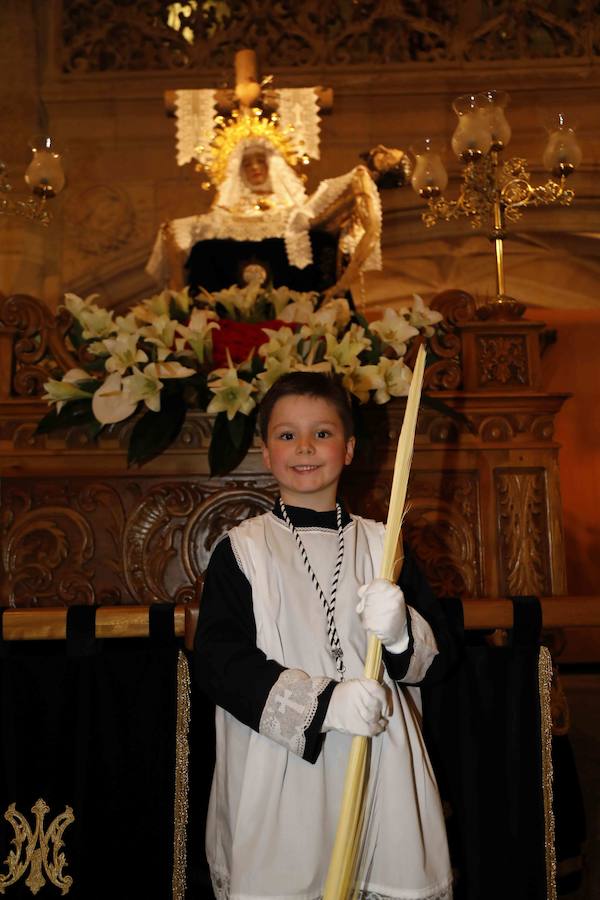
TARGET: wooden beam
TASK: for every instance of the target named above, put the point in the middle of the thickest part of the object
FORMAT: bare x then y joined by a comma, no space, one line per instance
132,621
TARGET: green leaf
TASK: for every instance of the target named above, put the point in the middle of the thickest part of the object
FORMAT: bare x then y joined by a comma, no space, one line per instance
177,313
91,386
74,413
230,442
360,319
94,429
156,431
76,334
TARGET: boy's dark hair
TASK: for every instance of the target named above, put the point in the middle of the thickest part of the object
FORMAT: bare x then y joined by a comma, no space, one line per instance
307,384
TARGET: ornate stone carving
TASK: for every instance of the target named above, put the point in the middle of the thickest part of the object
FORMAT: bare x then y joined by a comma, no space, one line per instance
521,502
502,360
125,36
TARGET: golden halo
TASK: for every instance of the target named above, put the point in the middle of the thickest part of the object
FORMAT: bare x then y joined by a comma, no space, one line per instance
247,126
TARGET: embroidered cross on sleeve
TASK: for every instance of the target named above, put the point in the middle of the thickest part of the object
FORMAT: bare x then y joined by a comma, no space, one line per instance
291,707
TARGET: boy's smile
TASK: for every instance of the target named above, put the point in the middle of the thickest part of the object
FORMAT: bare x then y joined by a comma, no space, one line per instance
306,450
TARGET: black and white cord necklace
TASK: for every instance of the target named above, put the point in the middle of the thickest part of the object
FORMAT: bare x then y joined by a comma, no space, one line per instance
328,605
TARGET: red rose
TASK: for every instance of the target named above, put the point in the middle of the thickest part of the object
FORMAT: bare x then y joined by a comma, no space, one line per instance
239,338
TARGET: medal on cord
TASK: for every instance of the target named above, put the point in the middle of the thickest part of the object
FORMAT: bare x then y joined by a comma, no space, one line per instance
328,605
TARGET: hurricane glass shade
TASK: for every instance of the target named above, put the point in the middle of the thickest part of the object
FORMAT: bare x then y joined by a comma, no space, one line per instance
44,174
563,153
429,176
471,139
495,102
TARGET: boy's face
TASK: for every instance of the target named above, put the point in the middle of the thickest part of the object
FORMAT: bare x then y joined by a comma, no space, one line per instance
306,450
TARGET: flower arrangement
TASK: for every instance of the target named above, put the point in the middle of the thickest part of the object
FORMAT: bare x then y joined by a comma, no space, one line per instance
220,353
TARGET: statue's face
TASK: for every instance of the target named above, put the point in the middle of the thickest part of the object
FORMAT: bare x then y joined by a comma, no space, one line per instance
255,168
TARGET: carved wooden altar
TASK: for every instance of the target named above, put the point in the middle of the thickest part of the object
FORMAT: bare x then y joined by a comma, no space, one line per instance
78,526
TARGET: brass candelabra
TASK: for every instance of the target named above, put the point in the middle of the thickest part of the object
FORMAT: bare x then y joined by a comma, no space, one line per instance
493,192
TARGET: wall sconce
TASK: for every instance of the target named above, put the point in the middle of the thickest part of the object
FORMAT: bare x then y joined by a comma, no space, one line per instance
45,177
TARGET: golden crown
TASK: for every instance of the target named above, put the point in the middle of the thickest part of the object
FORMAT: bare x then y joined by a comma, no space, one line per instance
244,126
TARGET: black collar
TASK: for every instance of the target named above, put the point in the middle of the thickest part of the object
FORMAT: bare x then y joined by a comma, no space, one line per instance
302,517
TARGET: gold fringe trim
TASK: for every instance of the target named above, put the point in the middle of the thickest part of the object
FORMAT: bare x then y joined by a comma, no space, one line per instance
181,777
545,684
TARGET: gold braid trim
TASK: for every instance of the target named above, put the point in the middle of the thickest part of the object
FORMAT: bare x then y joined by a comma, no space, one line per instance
181,777
545,683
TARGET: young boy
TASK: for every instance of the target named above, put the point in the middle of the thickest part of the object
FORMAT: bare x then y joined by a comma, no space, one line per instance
288,600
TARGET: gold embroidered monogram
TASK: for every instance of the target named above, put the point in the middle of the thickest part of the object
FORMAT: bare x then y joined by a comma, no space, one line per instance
37,850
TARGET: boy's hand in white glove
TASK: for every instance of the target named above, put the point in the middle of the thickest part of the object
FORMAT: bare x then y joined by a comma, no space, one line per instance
359,706
382,611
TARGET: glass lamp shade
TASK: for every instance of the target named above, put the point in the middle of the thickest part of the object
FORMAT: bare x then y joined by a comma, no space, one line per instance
495,102
563,153
471,139
44,174
429,176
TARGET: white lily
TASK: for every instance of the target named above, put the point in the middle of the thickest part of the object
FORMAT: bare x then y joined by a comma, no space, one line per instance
343,355
123,353
280,298
299,311
182,299
363,380
154,307
281,343
245,299
61,392
98,348
161,333
232,394
342,311
96,322
320,323
197,333
422,317
313,367
169,369
396,378
394,330
274,369
76,304
143,385
227,298
127,324
111,402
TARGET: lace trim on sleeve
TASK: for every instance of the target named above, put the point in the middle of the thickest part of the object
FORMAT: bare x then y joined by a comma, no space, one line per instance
425,648
290,708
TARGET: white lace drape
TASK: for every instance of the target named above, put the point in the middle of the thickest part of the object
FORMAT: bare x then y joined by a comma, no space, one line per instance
298,109
194,123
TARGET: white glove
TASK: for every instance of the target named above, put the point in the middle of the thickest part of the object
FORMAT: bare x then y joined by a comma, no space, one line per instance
382,611
359,706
